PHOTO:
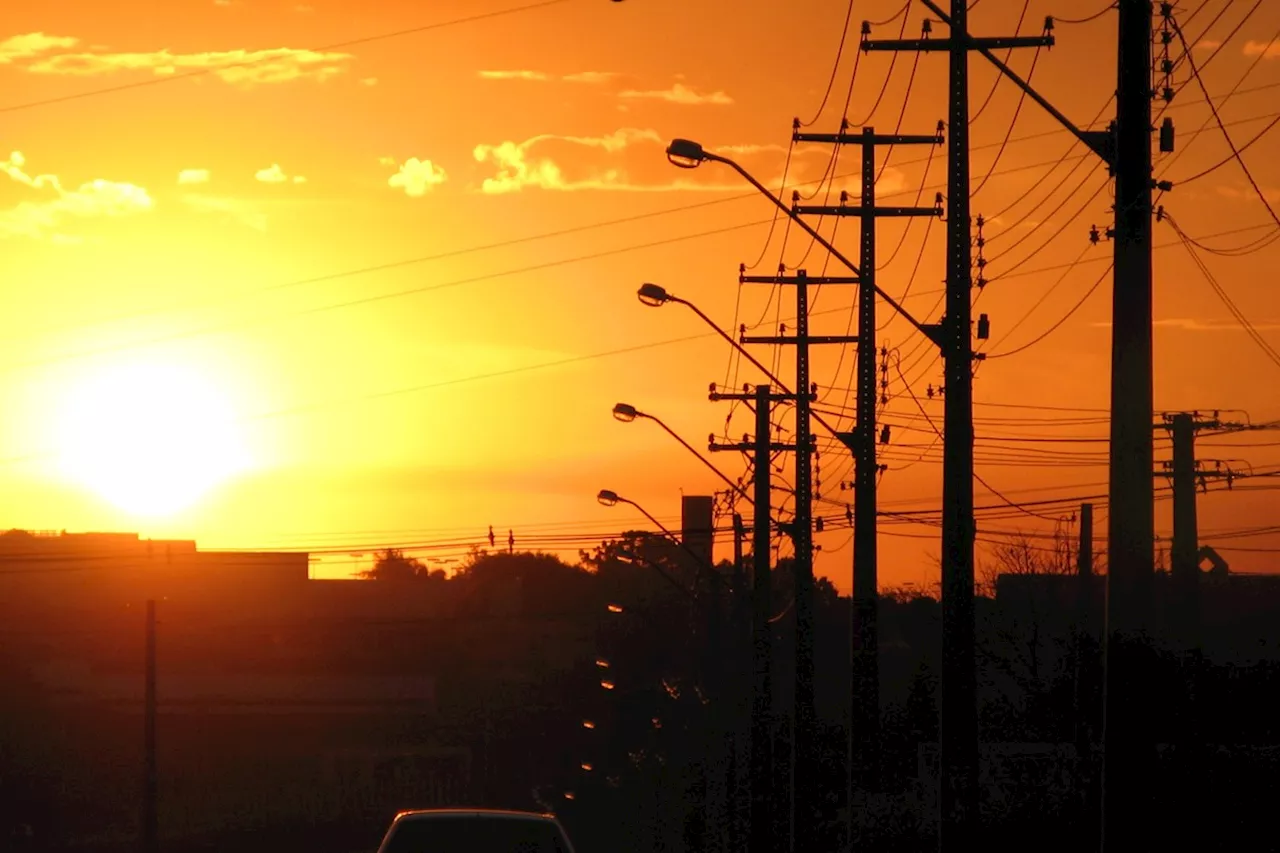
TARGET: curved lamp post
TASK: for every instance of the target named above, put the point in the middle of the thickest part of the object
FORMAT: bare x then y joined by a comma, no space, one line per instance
608,497
626,413
655,295
687,154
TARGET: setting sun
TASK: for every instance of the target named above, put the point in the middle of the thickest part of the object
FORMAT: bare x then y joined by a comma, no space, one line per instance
150,439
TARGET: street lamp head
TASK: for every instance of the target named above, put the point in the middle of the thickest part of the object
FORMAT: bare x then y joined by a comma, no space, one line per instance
625,412
685,153
653,295
608,498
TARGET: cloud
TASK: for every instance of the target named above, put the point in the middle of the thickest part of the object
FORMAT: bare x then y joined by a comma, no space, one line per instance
679,94
632,159
592,77
514,75
416,177
193,176
628,159
96,198
1269,50
32,44
589,77
369,81
242,67
275,175
228,207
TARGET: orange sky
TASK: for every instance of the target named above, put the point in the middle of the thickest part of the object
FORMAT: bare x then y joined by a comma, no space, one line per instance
351,243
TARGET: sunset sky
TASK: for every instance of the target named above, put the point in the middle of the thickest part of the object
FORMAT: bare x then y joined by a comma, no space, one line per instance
388,251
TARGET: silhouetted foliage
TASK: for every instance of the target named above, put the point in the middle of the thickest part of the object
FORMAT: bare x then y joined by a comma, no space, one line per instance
393,565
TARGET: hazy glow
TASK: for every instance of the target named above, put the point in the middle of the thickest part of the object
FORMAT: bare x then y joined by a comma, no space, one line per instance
151,439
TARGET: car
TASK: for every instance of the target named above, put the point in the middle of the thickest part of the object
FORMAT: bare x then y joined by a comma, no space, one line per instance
475,831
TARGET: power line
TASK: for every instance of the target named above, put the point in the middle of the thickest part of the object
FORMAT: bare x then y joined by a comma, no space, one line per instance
1057,325
1104,10
1235,152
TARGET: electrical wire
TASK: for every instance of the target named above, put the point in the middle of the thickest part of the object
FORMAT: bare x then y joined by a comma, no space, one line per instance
835,67
1104,10
1235,152
1057,325
1226,300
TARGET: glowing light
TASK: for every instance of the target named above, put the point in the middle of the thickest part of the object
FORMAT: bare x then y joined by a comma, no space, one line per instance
151,439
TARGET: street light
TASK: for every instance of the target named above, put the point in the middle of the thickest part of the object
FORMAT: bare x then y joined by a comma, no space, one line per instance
626,413
655,295
687,154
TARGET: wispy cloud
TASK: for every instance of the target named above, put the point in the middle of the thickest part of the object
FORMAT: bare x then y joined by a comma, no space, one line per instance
32,44
590,77
193,176
40,218
239,66
1269,50
625,160
515,75
416,177
679,94
593,77
273,174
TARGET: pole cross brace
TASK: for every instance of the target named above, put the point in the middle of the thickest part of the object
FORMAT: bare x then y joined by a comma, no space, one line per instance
792,339
858,210
796,279
717,396
845,138
746,446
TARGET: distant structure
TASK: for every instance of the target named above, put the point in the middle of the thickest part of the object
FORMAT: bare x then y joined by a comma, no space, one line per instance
278,697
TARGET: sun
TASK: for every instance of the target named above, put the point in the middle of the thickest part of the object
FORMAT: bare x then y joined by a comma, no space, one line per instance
152,439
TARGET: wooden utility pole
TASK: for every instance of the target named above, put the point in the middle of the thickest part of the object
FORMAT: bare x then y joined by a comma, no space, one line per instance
864,723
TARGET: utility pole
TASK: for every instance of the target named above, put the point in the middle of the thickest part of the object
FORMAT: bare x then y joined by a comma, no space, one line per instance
804,792
150,828
958,724
864,724
762,447
740,653
1083,713
1187,473
1128,749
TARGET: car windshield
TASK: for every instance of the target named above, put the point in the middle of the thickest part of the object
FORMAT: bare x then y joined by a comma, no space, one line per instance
475,834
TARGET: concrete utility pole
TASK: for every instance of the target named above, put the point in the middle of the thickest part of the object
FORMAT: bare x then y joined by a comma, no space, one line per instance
1128,749
762,447
864,723
804,792
1082,713
958,724
1187,473
150,823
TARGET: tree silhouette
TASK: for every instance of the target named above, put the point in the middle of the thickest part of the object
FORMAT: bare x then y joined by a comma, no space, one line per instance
393,565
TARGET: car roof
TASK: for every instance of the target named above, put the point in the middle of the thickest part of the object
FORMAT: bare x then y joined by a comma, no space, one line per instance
509,814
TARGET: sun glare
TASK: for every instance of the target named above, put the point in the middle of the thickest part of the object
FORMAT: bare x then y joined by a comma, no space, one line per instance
151,439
